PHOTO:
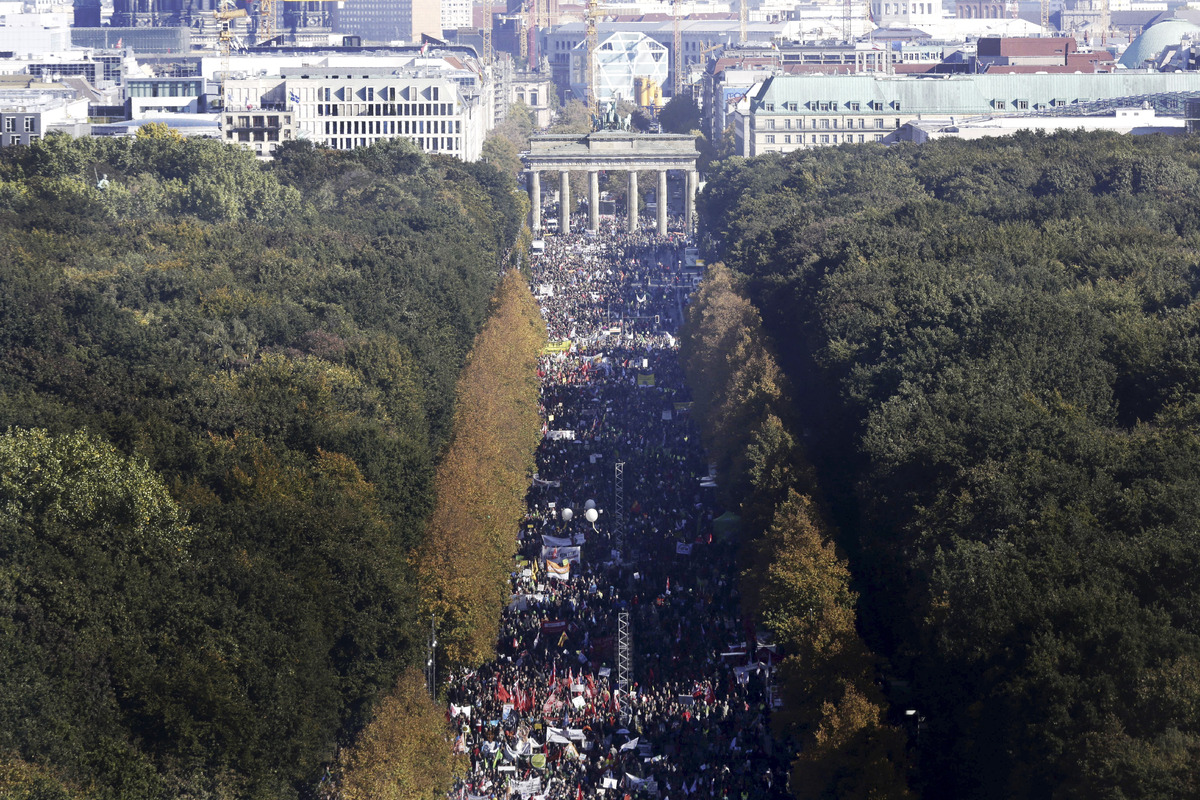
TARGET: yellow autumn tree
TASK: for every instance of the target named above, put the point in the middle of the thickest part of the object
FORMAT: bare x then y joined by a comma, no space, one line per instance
481,482
793,579
404,753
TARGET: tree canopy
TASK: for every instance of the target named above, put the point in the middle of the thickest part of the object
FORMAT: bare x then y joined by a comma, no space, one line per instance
225,387
996,347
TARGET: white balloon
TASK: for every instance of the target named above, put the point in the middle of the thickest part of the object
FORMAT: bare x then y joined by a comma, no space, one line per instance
567,514
591,515
590,504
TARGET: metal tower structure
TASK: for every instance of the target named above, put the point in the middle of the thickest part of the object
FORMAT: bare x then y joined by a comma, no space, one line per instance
1045,16
593,41
266,21
677,46
624,662
486,33
743,21
619,517
848,21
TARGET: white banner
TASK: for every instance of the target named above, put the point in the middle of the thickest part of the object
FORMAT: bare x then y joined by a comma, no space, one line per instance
556,435
556,736
526,788
630,745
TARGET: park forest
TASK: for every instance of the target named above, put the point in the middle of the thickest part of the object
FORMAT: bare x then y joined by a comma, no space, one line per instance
961,408
229,393
248,411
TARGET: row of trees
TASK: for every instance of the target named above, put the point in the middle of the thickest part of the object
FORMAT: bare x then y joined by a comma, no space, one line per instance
226,387
995,345
794,580
465,559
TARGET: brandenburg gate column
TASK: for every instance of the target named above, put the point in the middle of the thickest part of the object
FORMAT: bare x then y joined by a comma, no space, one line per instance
593,201
564,202
535,200
689,199
632,200
662,202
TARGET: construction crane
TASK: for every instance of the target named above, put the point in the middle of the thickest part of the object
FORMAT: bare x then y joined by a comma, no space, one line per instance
1045,16
677,87
848,21
266,21
522,23
225,14
743,20
486,32
592,43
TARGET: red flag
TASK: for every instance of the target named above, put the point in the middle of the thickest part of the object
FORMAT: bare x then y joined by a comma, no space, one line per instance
579,794
502,694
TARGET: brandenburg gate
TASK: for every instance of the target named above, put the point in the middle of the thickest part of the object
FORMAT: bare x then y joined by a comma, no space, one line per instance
610,151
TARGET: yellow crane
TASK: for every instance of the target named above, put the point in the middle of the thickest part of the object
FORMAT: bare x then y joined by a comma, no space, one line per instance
677,43
225,14
592,44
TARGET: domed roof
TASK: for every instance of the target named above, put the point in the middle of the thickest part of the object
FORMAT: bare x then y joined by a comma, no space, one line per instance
1157,37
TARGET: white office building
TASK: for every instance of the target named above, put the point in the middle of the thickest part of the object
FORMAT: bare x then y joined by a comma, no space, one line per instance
441,107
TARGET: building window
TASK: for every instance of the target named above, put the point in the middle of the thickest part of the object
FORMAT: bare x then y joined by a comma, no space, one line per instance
787,140
825,138
1001,105
771,124
879,137
1021,105
10,124
854,106
825,124
879,123
770,140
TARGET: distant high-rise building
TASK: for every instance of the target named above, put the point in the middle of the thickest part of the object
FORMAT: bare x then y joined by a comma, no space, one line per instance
386,20
456,14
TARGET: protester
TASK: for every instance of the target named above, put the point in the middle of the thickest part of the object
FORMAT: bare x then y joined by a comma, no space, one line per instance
549,717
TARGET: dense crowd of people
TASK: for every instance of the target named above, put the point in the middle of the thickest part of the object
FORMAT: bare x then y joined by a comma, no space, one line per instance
552,717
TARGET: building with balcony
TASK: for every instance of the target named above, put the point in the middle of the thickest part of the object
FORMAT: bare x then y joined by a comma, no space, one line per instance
261,131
